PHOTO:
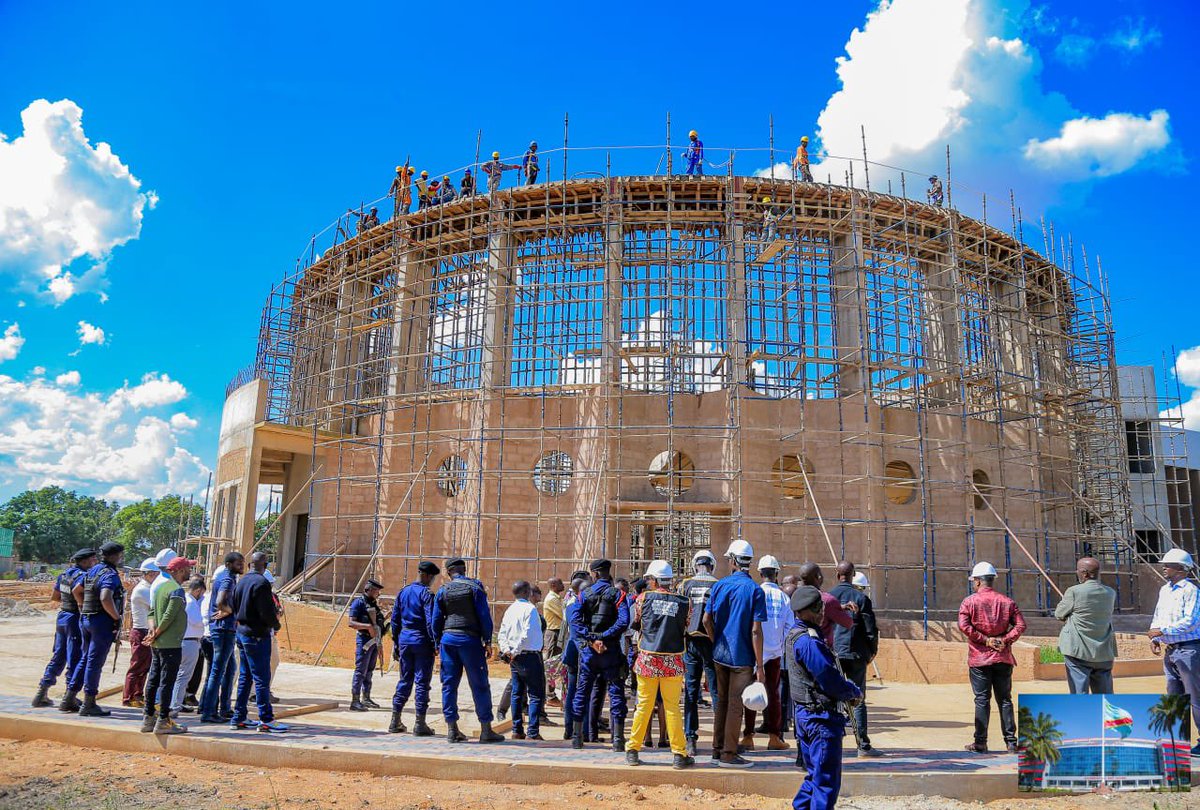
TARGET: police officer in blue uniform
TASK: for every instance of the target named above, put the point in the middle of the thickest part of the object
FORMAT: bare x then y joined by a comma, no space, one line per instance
67,642
366,617
597,627
101,596
818,692
462,628
412,634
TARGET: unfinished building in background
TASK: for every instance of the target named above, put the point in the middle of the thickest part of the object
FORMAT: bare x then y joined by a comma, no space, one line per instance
639,367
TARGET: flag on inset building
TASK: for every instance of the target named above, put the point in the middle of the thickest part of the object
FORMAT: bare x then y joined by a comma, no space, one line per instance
1117,720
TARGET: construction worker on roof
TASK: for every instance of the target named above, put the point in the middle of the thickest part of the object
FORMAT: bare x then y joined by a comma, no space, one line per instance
467,187
401,189
495,170
770,221
530,164
422,184
934,195
694,155
446,192
371,219
800,167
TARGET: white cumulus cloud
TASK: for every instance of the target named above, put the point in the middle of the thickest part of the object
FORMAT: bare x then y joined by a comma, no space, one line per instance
63,198
181,421
11,343
90,334
102,444
1101,146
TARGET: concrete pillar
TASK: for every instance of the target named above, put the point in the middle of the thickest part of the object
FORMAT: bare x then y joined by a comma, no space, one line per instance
410,327
496,359
941,327
849,304
736,337
614,276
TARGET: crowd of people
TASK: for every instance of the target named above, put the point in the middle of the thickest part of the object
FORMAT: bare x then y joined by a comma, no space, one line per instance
783,648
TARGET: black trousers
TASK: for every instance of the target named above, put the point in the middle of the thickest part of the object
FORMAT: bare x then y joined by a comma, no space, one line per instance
200,673
994,679
160,680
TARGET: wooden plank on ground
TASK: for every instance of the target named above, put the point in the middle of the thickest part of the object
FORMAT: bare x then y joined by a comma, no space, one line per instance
308,708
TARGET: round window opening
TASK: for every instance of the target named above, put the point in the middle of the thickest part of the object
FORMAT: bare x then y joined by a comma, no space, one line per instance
901,486
789,475
552,473
672,473
452,476
982,490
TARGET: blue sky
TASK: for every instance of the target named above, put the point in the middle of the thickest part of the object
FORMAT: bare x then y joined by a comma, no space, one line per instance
1081,715
248,127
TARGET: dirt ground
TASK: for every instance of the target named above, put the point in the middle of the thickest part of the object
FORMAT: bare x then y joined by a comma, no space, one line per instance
49,776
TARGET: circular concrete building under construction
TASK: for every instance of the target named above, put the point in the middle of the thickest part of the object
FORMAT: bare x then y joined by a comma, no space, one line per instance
642,367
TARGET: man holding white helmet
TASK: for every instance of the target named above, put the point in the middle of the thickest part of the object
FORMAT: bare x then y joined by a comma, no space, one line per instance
734,618
698,660
1176,627
780,619
662,619
992,623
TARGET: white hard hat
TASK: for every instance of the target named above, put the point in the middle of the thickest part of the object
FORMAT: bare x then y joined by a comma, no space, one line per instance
149,564
165,556
704,558
740,550
660,569
1178,556
754,697
983,569
769,562
860,580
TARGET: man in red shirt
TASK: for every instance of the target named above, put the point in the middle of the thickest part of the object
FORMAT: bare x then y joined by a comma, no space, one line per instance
835,611
992,623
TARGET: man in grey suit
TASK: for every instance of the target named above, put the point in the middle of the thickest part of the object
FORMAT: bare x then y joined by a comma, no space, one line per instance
1086,641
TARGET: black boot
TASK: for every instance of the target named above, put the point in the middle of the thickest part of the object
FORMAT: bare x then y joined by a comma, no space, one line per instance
366,701
70,703
397,726
41,700
453,734
486,735
577,737
421,728
356,704
90,709
618,737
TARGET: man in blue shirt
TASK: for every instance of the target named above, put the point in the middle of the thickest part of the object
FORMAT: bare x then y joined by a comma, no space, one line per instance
695,155
818,691
462,627
257,619
222,625
734,616
68,643
412,635
366,617
597,627
101,596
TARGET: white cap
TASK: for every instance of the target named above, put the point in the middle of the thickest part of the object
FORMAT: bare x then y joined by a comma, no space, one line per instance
860,580
148,564
268,576
754,697
660,569
165,556
740,550
983,569
769,562
1178,556
704,558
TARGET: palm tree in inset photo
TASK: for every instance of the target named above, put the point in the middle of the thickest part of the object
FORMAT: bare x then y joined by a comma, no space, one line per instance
1171,712
1037,738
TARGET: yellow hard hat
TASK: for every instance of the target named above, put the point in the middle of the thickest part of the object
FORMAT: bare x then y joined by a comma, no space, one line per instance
766,199
804,139
693,134
399,168
495,155
424,174
445,177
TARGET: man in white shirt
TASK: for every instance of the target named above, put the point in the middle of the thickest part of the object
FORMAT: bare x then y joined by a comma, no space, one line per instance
193,593
779,620
520,643
139,654
1176,626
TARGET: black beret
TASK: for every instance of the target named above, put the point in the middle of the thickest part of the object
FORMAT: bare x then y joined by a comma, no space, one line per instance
110,548
426,567
459,561
373,583
83,554
600,565
805,597
580,574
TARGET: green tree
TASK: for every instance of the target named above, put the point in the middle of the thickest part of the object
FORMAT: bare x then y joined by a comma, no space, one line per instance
51,523
270,543
1038,738
147,526
1169,712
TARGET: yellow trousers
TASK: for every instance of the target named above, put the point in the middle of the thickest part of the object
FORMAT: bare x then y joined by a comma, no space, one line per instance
648,689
